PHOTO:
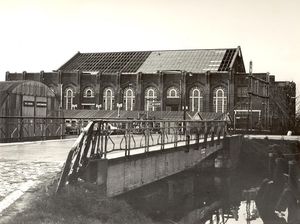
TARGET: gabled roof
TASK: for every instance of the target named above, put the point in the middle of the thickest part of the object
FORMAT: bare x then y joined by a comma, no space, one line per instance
195,60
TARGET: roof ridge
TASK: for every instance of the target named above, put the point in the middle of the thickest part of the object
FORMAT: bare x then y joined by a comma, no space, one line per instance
192,49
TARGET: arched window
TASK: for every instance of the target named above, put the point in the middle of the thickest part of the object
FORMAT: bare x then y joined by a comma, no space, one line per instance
88,92
150,98
69,96
196,99
129,99
220,99
172,92
108,98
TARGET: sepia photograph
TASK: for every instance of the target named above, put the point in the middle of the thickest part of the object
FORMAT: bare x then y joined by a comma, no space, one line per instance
149,112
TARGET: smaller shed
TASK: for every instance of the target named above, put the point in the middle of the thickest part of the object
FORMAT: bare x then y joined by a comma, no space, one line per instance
29,110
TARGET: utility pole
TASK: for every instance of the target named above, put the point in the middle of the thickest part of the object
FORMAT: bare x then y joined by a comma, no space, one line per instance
249,117
251,87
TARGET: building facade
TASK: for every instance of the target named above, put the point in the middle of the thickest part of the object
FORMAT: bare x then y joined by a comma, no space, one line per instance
209,80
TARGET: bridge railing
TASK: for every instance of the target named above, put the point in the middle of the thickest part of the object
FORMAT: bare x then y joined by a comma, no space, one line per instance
118,138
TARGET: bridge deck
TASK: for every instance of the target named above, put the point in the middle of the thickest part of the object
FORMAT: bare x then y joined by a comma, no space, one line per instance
141,150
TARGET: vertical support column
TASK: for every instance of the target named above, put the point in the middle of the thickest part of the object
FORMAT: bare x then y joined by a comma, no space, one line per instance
250,92
162,133
205,135
219,128
21,125
43,129
138,92
183,101
231,84
98,98
268,102
59,89
78,96
127,139
147,137
118,93
161,89
207,103
212,131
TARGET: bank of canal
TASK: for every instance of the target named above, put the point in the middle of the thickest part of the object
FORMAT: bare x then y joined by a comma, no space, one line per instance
210,196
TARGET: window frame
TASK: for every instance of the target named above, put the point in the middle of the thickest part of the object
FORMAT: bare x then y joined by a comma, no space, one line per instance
129,100
150,98
196,99
108,101
220,102
69,98
172,89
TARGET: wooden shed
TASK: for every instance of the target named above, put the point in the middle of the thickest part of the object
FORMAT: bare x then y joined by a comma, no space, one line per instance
29,110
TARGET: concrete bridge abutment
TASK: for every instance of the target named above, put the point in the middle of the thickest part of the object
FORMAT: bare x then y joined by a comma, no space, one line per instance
116,176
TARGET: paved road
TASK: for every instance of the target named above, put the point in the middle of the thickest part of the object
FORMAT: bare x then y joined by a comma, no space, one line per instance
25,166
41,151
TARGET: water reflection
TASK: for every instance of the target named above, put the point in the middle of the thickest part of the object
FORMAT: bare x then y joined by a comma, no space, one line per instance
197,196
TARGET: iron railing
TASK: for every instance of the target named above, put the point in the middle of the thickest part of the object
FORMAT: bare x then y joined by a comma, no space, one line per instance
111,139
19,129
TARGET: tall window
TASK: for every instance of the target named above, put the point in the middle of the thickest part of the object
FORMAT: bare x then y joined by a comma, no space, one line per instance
108,98
69,96
150,97
220,100
196,99
129,99
173,92
88,92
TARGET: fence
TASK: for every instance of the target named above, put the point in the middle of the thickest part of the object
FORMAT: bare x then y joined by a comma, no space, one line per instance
19,129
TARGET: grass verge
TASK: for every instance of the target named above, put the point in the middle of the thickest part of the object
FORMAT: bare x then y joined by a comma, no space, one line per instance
76,204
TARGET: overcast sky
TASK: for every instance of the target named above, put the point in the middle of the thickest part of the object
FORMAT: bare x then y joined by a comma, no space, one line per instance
43,34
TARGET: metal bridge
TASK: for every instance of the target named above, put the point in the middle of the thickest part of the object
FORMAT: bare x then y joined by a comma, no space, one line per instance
110,139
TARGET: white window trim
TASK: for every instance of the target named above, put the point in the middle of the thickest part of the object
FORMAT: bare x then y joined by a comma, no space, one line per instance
150,99
199,99
85,92
105,98
170,89
126,98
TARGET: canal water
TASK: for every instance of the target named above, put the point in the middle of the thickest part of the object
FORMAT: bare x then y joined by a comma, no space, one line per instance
199,196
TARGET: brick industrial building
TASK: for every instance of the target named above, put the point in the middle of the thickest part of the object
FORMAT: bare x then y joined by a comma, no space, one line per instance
198,80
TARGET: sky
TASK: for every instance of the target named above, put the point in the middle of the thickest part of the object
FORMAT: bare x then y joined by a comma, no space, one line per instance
41,35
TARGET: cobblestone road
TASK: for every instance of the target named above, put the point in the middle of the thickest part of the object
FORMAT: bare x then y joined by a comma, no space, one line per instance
24,167
14,174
